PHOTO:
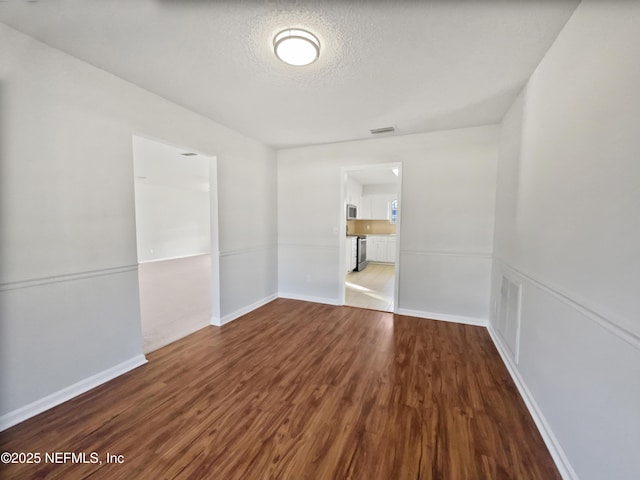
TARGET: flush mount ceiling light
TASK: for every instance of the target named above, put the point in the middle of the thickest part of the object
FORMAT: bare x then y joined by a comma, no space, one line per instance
296,47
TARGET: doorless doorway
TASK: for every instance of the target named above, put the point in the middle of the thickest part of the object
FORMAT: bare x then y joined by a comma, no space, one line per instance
173,235
371,212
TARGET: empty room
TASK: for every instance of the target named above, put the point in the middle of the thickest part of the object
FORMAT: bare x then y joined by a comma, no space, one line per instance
325,239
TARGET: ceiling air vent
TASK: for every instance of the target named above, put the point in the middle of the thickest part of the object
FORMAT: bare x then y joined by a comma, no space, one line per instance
188,154
375,131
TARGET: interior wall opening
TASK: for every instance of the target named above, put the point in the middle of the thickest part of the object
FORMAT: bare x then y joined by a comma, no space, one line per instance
174,240
372,216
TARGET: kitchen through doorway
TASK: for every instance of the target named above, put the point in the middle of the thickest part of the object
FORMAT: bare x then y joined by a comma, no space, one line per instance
372,219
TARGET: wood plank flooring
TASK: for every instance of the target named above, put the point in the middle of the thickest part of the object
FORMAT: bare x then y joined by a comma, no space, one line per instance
298,390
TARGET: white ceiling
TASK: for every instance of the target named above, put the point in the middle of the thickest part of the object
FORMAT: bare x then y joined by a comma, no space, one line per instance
374,176
418,65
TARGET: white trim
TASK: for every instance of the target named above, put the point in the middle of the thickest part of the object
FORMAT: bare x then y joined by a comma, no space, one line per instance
447,253
342,222
31,410
308,298
310,245
243,251
613,326
557,453
479,322
179,257
397,253
342,234
218,322
66,277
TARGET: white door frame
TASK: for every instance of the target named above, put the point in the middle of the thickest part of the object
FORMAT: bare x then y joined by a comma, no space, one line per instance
342,222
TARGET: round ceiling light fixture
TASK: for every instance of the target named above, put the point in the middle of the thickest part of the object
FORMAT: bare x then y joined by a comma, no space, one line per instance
296,47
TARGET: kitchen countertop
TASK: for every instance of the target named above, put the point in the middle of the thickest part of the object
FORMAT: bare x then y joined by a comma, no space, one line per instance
371,234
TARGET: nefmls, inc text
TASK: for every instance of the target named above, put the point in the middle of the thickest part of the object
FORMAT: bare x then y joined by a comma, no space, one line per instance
72,457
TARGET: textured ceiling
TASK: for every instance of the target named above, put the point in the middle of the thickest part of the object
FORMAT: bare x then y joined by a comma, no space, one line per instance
418,65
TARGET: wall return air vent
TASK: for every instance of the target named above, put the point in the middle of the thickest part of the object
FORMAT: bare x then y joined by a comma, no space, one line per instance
509,315
376,131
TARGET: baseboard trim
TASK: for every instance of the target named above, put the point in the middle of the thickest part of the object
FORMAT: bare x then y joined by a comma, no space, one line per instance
479,322
557,453
10,419
308,298
218,322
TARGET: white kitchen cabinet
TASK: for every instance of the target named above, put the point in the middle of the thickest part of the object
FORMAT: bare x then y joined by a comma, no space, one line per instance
364,209
370,207
354,200
354,253
391,249
373,248
351,253
380,207
381,248
376,207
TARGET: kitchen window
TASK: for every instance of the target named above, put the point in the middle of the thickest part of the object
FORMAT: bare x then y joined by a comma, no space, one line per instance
394,211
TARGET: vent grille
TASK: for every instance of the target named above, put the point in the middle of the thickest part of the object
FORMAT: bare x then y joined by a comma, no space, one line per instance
509,315
188,154
375,131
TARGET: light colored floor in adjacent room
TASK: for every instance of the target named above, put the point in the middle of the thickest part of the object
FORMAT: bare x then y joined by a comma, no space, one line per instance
175,299
371,288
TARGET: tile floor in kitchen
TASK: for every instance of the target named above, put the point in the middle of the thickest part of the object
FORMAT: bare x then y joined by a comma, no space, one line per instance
371,288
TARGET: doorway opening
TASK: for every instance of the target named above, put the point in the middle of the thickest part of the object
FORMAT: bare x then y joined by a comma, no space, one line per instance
174,240
371,213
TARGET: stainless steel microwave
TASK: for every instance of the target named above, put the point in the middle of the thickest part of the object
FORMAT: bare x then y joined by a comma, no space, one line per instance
352,212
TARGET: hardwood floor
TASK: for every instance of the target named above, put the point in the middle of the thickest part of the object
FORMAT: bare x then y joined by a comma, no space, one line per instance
371,288
298,390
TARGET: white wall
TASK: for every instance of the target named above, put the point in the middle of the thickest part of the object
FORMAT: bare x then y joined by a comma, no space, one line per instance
172,201
69,277
172,222
380,189
568,230
447,210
